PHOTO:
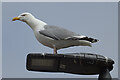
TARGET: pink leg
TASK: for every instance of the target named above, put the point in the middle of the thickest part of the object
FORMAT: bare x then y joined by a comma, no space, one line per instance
55,50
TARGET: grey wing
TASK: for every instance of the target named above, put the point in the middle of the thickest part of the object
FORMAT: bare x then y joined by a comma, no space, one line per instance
57,33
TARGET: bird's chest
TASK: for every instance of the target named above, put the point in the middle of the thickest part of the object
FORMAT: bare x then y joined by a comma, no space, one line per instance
43,39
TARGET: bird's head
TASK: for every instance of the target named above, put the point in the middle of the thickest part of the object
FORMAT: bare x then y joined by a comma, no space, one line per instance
30,20
23,17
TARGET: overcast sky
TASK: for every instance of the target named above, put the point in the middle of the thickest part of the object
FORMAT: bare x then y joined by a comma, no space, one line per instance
97,20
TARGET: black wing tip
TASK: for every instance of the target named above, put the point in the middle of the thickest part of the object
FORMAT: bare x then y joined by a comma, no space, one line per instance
92,40
95,40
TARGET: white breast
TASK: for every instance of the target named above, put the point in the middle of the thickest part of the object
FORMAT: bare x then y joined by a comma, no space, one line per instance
44,40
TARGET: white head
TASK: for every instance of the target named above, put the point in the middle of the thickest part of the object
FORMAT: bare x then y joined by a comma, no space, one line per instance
24,17
30,20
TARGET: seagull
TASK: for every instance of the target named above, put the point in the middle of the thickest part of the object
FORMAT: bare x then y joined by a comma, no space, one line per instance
53,36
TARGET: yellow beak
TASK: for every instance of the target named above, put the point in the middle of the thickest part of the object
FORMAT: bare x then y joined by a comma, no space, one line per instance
15,18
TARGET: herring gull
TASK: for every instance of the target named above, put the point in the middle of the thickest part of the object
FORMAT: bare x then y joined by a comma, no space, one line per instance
53,36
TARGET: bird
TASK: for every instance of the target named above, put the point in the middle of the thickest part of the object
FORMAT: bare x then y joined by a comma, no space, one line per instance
53,36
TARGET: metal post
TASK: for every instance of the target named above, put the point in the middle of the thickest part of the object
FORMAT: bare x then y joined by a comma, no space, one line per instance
105,75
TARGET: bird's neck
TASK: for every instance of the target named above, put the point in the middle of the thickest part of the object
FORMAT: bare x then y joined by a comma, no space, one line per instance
36,24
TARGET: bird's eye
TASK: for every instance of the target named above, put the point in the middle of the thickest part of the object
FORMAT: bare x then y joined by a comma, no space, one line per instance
23,15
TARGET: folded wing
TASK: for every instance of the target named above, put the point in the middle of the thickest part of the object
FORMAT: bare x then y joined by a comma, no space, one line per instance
58,33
